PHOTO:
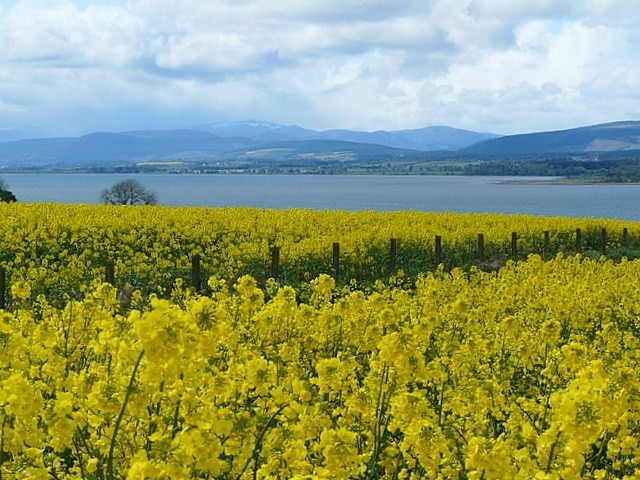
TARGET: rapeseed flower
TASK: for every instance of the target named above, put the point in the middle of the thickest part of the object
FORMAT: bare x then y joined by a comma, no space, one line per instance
527,371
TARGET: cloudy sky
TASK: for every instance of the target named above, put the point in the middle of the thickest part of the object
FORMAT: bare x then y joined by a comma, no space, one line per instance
69,67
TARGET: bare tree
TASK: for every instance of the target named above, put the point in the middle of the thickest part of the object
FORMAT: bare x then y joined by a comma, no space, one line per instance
5,194
128,192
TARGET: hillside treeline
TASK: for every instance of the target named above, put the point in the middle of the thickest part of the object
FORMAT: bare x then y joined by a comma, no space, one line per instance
601,168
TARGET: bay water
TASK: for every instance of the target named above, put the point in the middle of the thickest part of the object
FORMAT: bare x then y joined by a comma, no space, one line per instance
346,192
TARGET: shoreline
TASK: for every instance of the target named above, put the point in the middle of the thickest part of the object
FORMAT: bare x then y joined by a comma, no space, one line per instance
563,181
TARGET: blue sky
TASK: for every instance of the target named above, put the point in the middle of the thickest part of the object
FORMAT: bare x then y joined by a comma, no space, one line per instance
504,66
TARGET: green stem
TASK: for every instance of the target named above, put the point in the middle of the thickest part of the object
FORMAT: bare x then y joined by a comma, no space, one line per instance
256,448
550,459
176,416
377,441
441,404
116,427
4,421
600,454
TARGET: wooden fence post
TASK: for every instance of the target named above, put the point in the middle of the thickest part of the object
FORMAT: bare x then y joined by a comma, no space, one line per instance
546,248
336,261
514,246
195,272
275,262
578,240
625,237
109,275
481,247
3,287
393,260
603,241
438,249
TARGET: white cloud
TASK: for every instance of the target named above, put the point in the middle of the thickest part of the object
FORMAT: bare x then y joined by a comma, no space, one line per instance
492,65
62,36
613,12
215,51
517,10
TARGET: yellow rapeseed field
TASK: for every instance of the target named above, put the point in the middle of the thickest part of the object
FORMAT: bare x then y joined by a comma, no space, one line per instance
524,369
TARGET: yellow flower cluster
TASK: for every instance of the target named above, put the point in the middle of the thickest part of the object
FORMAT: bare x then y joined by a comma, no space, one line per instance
528,372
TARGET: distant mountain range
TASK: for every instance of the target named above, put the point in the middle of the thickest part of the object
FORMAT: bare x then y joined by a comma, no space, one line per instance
425,139
254,140
237,141
608,137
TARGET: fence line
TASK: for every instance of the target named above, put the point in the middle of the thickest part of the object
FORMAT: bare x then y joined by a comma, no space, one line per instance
393,260
109,275
336,261
438,248
196,271
439,256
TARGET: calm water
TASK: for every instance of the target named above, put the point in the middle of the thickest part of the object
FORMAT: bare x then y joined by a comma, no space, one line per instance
380,193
